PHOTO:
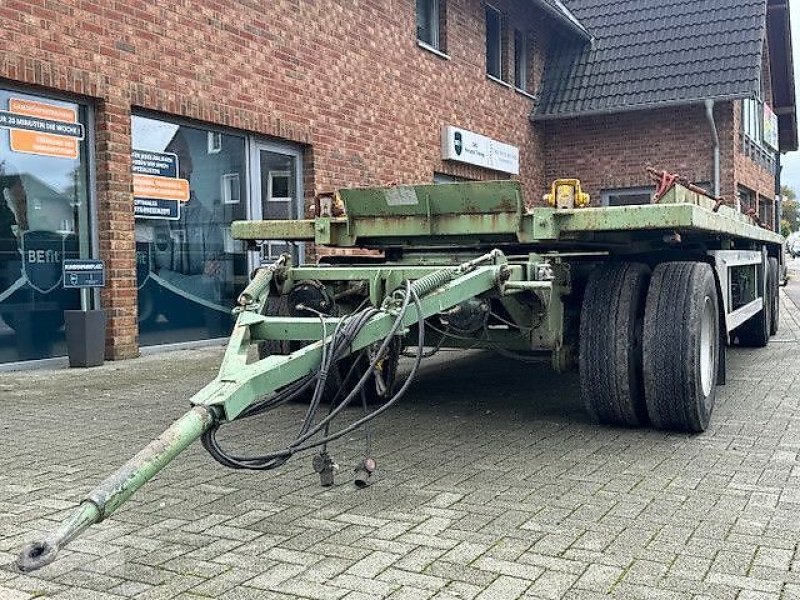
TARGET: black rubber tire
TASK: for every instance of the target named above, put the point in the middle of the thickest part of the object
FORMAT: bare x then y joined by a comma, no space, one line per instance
275,306
672,344
610,350
773,286
754,333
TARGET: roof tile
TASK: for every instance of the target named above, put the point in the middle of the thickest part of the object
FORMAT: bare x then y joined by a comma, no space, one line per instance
650,52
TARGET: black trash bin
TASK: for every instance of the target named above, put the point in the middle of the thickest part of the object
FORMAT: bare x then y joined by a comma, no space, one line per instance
86,337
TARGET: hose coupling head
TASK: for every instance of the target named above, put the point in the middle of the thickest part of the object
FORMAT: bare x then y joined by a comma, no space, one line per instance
364,471
324,465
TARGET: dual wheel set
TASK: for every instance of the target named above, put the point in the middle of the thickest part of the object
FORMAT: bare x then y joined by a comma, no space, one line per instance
652,342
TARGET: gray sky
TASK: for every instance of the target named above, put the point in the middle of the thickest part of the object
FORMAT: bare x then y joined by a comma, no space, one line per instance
791,161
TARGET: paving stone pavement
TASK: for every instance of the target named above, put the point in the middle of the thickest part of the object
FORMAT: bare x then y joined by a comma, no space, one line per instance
492,485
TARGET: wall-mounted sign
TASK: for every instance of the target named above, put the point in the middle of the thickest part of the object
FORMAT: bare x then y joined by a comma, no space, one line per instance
157,190
84,273
42,128
475,149
770,128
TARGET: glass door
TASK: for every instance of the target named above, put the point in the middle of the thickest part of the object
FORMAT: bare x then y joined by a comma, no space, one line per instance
276,193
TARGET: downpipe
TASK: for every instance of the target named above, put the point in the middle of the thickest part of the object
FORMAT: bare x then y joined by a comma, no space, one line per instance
709,104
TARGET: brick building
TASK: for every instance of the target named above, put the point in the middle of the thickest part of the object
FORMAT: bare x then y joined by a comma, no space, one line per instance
135,132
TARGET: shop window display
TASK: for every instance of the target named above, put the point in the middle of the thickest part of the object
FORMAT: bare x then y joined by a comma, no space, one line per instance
188,187
44,218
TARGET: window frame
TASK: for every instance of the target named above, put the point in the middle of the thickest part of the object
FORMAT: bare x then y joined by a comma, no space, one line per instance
521,60
86,109
751,130
434,18
214,142
500,63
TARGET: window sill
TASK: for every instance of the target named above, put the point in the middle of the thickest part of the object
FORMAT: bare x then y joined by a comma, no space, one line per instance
499,81
432,50
528,95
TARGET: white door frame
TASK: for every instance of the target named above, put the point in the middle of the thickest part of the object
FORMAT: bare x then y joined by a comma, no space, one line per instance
255,201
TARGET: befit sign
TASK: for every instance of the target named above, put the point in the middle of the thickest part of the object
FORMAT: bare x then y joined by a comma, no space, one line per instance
475,149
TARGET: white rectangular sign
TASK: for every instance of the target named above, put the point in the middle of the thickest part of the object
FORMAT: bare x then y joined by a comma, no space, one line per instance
475,149
770,128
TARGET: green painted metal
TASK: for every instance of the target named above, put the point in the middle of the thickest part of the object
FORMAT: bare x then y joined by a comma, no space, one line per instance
472,198
120,486
649,217
492,214
239,382
299,230
530,288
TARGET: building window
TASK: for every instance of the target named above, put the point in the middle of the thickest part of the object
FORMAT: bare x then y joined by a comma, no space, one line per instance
752,119
44,218
430,20
188,270
765,211
627,196
747,199
494,42
753,134
521,60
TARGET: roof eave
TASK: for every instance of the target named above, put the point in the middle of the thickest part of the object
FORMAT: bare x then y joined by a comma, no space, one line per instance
613,110
565,18
780,43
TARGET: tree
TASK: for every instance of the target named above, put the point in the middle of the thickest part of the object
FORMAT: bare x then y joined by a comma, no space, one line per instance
789,210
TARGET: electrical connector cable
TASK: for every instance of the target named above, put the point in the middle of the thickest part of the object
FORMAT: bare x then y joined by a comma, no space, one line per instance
335,347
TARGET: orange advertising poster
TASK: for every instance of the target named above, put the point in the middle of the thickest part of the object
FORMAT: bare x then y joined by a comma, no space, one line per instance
160,188
37,142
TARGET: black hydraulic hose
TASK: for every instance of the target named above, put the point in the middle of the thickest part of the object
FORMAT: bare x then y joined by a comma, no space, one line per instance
344,333
389,403
357,387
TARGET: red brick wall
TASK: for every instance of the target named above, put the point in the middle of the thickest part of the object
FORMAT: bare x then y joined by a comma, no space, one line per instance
612,151
301,71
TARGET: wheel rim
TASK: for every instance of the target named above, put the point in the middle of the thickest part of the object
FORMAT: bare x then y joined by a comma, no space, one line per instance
708,346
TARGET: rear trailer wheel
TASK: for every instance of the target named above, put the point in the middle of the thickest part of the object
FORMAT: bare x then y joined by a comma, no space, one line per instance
681,346
610,349
773,283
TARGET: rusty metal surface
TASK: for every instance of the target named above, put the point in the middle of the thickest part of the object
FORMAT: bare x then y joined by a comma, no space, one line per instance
490,214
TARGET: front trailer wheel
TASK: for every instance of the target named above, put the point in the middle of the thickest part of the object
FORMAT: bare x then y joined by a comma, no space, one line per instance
681,346
610,344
